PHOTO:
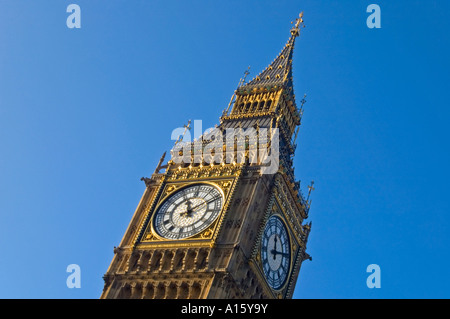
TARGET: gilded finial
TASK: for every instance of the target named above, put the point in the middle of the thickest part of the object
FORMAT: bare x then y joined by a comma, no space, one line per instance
241,82
295,31
161,160
186,127
300,111
299,20
310,189
303,101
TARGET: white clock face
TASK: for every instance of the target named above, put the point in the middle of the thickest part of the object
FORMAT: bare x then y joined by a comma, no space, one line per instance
275,252
188,211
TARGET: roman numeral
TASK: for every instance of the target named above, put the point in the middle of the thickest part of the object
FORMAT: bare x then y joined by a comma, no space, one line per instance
197,191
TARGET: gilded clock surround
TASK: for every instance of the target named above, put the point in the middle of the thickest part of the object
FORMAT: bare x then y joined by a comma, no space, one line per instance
207,235
223,260
275,220
277,207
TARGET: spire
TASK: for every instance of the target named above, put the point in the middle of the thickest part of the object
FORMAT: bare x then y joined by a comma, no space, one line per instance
279,72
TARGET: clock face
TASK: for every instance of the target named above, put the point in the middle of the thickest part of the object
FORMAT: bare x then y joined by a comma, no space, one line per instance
275,252
188,211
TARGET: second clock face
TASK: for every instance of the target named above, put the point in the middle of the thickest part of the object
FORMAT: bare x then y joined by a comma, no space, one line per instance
188,211
275,252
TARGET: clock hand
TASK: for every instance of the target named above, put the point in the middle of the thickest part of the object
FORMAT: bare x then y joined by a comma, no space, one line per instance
275,252
190,210
205,203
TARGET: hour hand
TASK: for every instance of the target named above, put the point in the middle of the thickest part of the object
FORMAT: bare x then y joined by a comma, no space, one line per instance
188,208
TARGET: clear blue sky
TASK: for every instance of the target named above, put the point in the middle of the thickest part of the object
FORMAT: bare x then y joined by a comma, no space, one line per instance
84,114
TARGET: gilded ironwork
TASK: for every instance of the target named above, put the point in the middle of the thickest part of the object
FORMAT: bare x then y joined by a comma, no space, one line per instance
223,259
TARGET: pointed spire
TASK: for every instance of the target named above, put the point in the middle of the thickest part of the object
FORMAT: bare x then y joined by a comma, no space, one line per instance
161,160
279,72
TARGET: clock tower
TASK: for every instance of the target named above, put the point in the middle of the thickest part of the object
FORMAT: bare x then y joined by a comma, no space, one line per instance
225,216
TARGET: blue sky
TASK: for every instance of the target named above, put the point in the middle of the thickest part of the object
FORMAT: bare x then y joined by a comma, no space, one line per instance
85,113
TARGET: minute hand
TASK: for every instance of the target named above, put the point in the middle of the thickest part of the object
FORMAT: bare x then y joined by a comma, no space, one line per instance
275,252
206,203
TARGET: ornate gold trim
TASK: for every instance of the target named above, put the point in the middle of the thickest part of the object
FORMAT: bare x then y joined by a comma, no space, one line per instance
230,189
274,208
225,184
285,205
180,186
147,210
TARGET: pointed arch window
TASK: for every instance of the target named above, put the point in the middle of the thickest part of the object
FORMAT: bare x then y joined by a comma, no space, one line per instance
261,106
254,107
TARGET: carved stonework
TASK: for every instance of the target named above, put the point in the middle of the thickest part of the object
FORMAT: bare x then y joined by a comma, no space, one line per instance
198,231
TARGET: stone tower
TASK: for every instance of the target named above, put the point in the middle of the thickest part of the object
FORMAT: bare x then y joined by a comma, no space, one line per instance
225,218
